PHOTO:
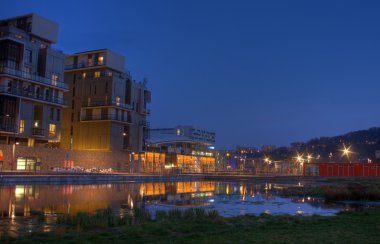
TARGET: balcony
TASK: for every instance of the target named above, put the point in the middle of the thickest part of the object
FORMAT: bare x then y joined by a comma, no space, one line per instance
31,95
33,78
106,117
84,65
38,132
144,123
145,111
103,103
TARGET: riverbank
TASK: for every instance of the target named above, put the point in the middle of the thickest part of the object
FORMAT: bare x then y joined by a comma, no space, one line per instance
350,227
11,178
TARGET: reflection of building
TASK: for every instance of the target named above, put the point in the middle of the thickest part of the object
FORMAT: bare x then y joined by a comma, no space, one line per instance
108,111
186,148
31,84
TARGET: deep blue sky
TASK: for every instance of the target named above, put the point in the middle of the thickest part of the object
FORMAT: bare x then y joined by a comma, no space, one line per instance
256,72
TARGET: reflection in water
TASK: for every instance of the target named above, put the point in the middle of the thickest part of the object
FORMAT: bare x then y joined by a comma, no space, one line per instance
28,208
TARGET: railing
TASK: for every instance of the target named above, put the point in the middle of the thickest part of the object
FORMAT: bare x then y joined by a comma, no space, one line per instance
31,94
144,123
100,103
38,132
145,111
106,117
84,65
35,78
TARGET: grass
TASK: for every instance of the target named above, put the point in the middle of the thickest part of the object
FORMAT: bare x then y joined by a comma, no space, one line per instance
193,226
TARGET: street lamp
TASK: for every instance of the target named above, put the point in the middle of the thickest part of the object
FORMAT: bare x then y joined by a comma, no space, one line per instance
346,152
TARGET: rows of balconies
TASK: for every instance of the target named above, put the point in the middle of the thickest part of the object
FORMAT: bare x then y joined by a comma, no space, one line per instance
34,78
30,94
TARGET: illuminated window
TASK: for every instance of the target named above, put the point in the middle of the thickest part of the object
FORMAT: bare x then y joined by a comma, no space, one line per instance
118,101
22,126
52,129
54,79
109,73
97,74
100,60
178,132
84,75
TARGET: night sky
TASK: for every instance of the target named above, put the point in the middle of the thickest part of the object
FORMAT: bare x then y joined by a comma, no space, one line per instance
255,72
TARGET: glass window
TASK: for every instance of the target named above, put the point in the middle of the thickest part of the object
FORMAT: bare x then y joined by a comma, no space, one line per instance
100,60
22,126
54,79
21,163
28,56
52,129
58,114
117,101
51,113
97,74
84,75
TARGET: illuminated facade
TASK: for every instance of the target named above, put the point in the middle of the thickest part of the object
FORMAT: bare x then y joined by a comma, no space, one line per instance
186,149
107,110
31,84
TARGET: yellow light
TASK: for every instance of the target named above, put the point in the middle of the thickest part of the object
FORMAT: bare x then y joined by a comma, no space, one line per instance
346,151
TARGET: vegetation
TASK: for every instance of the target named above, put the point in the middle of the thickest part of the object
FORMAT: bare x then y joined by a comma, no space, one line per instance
199,226
363,191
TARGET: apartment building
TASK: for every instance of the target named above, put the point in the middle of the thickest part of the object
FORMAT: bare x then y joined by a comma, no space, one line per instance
107,110
31,84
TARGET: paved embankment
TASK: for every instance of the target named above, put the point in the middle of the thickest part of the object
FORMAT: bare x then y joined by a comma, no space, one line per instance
9,178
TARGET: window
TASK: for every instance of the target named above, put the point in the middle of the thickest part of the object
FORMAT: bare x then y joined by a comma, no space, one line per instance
54,79
97,74
52,129
100,60
84,75
28,56
117,101
22,126
109,73
106,87
58,114
51,113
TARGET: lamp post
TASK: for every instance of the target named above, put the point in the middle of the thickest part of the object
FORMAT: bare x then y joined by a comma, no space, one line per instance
346,152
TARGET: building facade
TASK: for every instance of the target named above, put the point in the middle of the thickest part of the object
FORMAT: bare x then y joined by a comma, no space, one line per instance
107,110
182,149
31,85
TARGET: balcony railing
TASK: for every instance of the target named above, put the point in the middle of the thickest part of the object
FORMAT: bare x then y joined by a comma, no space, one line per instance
31,94
34,78
84,65
101,103
106,117
38,132
144,123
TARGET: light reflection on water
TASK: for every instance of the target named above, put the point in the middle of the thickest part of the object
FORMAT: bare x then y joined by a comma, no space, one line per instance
30,208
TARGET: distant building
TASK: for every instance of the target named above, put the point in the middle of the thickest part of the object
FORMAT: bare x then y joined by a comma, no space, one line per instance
107,110
186,148
31,85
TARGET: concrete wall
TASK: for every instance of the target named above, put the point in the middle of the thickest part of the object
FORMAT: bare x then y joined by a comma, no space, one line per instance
51,157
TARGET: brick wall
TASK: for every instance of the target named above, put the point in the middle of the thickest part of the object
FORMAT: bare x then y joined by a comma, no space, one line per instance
51,157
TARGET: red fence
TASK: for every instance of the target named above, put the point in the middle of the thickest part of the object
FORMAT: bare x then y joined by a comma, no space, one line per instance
349,169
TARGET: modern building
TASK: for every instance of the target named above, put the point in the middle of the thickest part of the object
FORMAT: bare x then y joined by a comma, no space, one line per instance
107,110
31,84
182,148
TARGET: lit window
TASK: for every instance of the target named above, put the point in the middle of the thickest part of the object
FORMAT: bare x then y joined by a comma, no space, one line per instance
178,132
54,79
52,128
109,73
117,101
97,74
84,75
22,126
100,60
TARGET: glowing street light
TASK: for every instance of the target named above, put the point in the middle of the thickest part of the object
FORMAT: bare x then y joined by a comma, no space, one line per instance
346,151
